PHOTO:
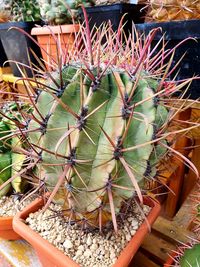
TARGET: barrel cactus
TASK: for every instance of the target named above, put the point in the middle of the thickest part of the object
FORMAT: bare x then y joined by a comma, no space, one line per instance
168,10
99,125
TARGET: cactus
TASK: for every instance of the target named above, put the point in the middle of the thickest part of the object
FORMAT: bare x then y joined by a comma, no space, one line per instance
188,255
97,169
5,10
99,125
25,10
57,12
10,161
21,10
168,10
191,257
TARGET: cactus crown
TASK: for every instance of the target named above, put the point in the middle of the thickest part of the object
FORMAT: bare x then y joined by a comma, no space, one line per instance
100,124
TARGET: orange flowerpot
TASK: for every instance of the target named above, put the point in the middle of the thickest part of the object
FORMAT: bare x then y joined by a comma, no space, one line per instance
55,41
6,229
52,257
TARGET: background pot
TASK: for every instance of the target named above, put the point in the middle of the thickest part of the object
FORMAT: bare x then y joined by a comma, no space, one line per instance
50,256
175,32
54,41
18,46
6,229
113,13
3,56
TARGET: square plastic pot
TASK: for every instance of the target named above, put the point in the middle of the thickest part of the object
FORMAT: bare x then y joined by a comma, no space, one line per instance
52,257
113,13
175,32
3,56
18,46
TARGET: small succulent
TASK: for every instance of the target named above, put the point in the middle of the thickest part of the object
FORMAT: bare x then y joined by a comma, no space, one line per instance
56,12
11,161
5,10
21,10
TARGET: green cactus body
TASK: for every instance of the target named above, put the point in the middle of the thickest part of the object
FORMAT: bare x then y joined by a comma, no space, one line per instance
11,162
4,131
191,257
139,133
87,148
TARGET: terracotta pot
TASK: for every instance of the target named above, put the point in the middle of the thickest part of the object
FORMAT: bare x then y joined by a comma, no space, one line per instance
52,257
55,40
6,229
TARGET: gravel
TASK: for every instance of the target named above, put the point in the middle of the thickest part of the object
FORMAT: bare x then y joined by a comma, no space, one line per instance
87,249
10,205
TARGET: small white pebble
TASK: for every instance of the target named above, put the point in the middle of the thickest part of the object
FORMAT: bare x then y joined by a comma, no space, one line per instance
133,232
67,244
89,241
128,237
81,247
94,247
112,255
79,253
87,253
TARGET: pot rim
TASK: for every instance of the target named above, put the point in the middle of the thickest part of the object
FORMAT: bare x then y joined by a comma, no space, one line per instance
46,29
